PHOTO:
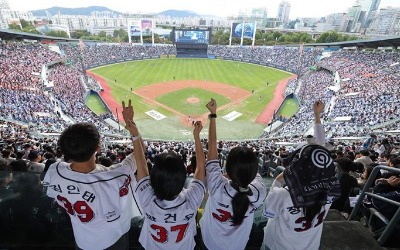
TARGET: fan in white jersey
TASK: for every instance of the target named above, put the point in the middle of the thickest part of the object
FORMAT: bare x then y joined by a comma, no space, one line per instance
170,210
296,212
228,216
99,200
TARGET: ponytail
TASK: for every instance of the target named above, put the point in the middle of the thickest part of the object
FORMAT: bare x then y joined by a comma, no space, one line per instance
240,204
311,211
242,168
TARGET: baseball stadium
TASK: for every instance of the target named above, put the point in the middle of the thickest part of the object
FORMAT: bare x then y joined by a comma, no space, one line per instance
200,104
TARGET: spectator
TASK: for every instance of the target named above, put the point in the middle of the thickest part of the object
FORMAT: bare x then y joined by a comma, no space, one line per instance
35,164
163,190
347,182
102,192
229,212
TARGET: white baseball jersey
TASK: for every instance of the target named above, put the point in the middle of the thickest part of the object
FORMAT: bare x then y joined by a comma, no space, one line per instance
216,226
287,227
100,204
169,224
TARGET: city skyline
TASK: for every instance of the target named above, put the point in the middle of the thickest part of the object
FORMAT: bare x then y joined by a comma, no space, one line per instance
304,8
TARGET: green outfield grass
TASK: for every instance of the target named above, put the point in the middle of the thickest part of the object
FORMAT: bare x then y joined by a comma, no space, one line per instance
94,103
289,108
178,100
124,76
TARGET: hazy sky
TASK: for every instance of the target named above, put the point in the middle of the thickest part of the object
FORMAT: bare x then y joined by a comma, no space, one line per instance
300,8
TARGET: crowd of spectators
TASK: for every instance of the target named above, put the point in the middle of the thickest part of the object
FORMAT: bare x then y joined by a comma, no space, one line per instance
313,86
370,96
93,54
69,90
21,64
368,93
93,84
20,150
288,58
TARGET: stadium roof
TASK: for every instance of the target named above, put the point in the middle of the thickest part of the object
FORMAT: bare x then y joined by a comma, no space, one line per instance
374,43
18,35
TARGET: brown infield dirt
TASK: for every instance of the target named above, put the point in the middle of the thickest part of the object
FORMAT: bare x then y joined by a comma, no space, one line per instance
236,95
151,92
193,100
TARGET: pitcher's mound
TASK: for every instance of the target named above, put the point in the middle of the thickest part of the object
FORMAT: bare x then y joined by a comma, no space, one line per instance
193,100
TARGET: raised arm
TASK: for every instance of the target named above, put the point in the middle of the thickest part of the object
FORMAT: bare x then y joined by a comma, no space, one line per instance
199,174
319,132
212,131
127,113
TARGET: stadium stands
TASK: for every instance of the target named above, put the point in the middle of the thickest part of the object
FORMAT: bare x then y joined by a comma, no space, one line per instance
31,114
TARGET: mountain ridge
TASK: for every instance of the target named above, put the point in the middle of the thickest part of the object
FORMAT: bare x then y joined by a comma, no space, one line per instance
86,11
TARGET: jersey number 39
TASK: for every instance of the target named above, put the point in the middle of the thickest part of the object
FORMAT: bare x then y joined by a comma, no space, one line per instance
80,208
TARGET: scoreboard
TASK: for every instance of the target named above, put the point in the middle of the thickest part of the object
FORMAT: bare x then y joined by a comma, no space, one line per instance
192,36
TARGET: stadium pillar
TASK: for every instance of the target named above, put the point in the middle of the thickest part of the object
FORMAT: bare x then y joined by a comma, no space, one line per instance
241,37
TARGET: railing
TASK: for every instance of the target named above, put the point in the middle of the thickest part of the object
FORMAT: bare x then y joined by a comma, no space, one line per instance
391,225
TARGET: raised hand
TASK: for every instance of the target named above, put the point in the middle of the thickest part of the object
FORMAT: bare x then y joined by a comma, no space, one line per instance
212,106
128,113
318,107
198,126
394,181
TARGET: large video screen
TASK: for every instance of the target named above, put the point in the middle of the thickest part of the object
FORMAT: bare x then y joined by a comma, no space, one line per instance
192,36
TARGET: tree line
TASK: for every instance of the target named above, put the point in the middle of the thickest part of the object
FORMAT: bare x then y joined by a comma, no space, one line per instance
219,37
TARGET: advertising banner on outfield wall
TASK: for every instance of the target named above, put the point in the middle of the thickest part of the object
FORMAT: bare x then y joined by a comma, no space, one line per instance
147,27
134,28
237,30
247,29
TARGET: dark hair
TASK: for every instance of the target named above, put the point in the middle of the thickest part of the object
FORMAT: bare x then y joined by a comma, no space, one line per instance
19,165
48,164
48,155
168,175
358,167
105,161
79,141
311,211
369,169
20,154
6,153
346,165
350,155
395,161
28,186
242,168
5,172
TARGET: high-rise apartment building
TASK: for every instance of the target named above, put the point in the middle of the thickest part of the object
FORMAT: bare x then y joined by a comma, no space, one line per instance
386,22
4,5
284,12
367,7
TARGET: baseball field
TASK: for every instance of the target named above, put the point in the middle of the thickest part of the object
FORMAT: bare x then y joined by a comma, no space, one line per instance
168,94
